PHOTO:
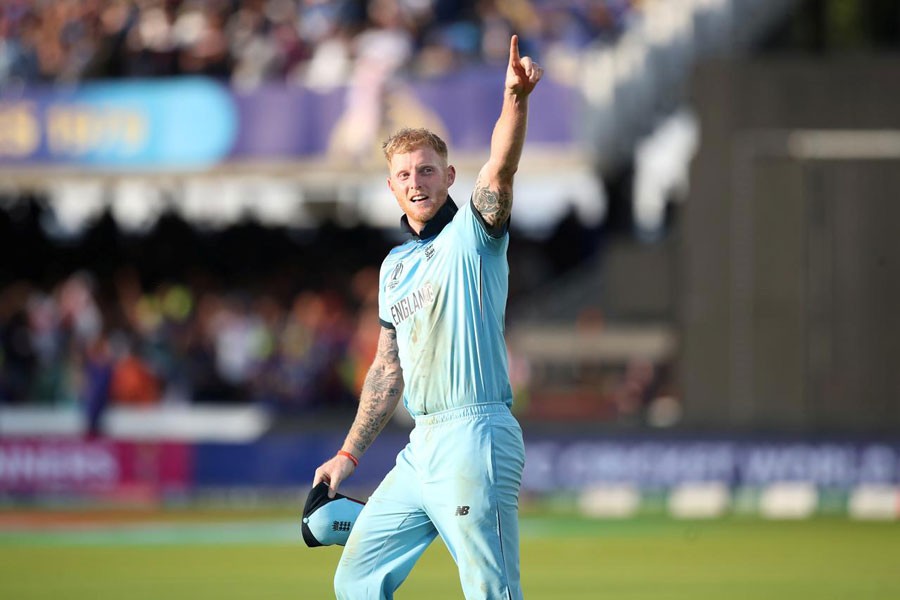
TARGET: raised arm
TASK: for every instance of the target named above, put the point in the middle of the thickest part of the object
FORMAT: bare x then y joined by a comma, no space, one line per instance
493,189
381,391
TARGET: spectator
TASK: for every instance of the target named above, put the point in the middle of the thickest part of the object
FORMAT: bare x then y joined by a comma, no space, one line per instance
97,381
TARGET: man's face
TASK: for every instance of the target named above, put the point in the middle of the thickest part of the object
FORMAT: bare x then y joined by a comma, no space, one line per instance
420,180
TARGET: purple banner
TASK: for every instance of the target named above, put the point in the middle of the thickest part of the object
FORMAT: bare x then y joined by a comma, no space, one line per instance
292,122
560,464
556,463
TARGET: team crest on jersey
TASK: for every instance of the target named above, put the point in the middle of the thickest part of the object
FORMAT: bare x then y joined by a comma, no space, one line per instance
429,251
412,303
394,280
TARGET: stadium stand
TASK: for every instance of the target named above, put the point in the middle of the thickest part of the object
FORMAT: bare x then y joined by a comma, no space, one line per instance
169,312
204,327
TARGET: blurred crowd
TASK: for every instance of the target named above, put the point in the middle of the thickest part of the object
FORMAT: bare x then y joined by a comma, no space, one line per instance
178,344
284,318
278,317
313,42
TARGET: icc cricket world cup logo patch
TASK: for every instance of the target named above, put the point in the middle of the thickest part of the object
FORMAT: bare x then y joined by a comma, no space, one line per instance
394,280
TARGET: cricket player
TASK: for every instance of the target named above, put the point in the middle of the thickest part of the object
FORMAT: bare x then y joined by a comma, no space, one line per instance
442,300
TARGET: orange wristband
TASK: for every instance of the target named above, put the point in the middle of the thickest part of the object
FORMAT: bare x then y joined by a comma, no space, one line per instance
352,458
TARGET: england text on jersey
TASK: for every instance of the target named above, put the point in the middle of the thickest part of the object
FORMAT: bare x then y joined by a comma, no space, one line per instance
412,303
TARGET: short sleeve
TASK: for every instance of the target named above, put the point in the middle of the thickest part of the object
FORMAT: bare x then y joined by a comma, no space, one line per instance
472,227
384,313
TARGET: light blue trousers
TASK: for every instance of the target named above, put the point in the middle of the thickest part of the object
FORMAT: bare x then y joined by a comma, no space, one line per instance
459,478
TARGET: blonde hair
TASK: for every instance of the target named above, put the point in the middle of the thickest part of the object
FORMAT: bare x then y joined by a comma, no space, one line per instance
408,139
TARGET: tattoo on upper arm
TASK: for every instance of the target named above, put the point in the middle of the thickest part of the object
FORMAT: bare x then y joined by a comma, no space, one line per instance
381,391
494,206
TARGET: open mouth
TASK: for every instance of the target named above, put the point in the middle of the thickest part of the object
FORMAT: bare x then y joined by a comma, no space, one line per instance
418,198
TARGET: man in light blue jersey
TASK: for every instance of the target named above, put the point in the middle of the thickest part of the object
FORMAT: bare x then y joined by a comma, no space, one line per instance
442,300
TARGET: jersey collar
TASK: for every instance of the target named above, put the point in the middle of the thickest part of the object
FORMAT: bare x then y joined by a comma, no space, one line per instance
437,223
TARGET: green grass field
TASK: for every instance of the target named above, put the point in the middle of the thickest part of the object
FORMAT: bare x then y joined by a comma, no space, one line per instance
238,555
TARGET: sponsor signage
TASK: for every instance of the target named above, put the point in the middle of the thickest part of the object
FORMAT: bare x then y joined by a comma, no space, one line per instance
573,463
171,124
44,465
553,464
193,123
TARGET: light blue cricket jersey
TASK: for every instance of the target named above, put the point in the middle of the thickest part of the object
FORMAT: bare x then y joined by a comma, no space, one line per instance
445,294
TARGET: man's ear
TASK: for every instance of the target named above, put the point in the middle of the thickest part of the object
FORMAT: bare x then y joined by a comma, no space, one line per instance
451,175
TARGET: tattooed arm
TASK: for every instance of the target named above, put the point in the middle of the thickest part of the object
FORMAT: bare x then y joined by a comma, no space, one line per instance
493,189
381,392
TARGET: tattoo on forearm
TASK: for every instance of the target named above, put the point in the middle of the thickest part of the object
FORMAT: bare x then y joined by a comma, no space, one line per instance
381,391
493,206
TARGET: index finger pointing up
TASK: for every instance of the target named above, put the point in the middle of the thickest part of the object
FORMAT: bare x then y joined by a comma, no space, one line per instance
514,50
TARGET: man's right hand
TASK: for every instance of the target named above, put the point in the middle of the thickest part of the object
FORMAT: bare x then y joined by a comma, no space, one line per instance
333,472
523,73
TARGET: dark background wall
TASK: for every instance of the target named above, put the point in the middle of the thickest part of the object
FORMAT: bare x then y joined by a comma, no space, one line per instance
790,254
